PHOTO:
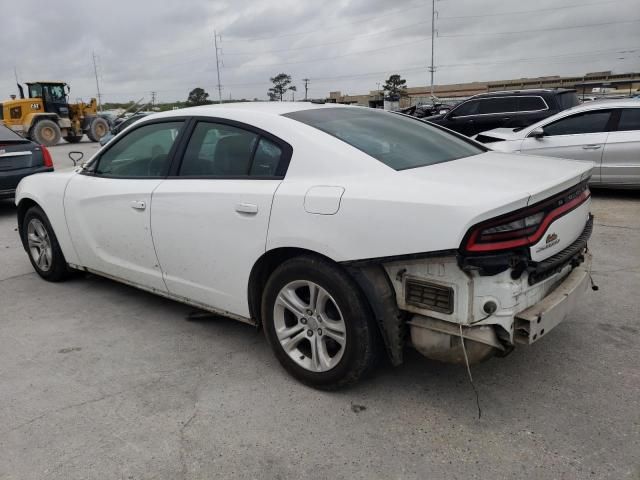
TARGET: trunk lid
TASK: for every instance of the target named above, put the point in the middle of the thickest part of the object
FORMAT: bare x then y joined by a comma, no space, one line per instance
494,183
16,155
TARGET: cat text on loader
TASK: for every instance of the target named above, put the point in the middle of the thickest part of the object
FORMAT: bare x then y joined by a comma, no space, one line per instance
46,116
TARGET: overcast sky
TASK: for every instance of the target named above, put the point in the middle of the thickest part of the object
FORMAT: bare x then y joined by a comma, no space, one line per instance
346,45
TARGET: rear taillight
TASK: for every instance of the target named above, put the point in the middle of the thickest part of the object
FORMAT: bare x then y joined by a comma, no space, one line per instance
46,157
525,227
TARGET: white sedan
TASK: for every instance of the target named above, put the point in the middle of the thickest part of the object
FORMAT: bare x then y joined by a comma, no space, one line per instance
337,229
606,133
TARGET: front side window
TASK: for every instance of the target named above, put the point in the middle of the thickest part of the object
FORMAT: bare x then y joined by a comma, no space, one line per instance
397,141
586,122
629,119
143,152
220,150
35,91
467,108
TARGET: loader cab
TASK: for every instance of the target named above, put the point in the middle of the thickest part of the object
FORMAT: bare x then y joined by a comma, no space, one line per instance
54,96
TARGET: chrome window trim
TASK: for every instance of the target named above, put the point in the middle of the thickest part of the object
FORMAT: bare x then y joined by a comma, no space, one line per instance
502,113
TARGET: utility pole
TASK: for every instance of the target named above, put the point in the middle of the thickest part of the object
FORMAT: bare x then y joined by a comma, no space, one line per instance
95,71
153,99
432,68
306,87
215,43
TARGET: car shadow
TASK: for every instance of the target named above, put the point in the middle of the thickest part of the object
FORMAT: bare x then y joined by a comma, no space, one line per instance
7,208
612,194
503,385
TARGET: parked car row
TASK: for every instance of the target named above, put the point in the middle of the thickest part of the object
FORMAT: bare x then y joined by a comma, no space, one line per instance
605,133
513,109
19,157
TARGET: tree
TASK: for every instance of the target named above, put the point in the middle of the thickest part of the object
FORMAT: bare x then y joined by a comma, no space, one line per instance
198,96
281,84
396,87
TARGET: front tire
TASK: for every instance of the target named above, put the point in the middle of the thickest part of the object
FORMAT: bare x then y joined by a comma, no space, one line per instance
98,128
318,323
46,132
42,246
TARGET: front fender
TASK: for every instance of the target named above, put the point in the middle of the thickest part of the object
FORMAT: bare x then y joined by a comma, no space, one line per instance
47,191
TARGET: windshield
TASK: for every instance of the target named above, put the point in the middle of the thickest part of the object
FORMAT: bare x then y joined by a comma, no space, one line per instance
8,135
398,141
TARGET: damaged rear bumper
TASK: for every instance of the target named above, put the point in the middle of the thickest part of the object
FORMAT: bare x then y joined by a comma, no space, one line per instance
538,320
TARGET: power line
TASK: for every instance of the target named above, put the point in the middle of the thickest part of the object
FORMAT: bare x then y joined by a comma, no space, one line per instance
539,29
518,12
404,27
359,52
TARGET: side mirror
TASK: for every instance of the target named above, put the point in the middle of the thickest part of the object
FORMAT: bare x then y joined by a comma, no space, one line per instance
75,157
537,133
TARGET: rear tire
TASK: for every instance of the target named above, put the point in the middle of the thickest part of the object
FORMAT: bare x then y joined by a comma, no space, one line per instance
46,132
73,138
42,246
318,323
98,128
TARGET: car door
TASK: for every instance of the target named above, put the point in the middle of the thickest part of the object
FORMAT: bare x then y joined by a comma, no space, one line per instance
621,158
462,118
493,113
580,136
107,205
210,217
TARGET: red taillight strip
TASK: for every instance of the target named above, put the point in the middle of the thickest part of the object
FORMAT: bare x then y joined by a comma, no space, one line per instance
46,156
530,240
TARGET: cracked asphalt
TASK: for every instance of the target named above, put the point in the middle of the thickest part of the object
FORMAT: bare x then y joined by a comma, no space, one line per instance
102,381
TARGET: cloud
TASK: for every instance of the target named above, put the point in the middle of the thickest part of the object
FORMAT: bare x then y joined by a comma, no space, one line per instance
347,45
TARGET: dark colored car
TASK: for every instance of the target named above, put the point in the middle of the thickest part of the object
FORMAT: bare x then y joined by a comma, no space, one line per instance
19,157
509,109
426,110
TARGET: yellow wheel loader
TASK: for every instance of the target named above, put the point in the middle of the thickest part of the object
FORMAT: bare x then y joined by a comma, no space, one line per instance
46,115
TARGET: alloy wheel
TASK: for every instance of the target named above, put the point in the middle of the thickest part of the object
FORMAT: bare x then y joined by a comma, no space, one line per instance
309,326
39,244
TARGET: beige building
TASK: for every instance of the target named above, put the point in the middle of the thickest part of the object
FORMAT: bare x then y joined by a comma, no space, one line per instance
619,83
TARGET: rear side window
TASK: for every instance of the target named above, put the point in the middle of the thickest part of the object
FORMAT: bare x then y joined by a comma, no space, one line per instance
8,135
397,141
587,122
531,104
498,105
567,100
220,150
629,119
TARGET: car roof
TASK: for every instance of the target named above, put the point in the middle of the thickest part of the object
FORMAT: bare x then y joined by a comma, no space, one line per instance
602,104
269,108
529,91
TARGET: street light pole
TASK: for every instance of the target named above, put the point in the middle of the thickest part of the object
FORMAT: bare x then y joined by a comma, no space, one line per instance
433,34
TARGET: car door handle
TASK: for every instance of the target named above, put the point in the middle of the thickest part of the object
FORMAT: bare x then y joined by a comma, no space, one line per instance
591,147
138,205
246,208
